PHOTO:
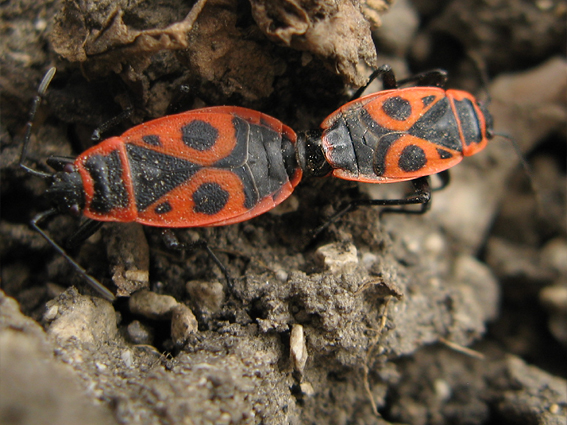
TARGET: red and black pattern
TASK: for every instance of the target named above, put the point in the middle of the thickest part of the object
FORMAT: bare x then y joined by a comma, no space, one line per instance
402,134
223,165
207,167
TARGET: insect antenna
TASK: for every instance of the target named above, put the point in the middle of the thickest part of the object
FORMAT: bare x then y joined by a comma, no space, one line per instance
480,66
35,106
525,166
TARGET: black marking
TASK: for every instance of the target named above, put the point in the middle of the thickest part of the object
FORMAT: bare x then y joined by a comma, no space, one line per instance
239,155
359,143
488,121
397,108
439,125
340,137
443,154
265,164
258,160
289,156
210,198
151,140
109,189
381,151
469,121
199,135
163,208
154,174
412,158
427,100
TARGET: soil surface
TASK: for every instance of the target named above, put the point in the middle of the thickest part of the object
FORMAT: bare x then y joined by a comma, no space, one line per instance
457,316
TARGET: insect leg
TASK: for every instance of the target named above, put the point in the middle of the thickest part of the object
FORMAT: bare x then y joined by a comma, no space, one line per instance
445,178
85,231
171,241
421,195
433,77
387,76
95,284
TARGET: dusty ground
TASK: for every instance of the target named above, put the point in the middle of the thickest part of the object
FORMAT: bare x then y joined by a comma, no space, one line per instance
368,324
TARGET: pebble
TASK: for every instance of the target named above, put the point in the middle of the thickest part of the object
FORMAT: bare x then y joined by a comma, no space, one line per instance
151,305
183,324
337,257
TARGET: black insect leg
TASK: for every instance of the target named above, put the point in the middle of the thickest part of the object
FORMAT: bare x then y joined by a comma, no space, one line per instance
85,231
421,195
105,126
433,77
445,178
96,285
171,241
58,163
387,76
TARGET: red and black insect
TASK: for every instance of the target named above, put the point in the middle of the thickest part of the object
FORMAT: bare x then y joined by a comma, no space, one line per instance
396,135
206,167
223,165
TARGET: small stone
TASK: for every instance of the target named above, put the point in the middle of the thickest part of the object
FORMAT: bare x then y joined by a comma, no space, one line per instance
282,275
140,333
127,357
338,257
183,324
554,299
298,348
554,254
152,305
208,297
89,320
129,256
307,389
368,260
51,312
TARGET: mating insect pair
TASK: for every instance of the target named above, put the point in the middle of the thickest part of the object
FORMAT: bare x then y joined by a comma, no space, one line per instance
223,165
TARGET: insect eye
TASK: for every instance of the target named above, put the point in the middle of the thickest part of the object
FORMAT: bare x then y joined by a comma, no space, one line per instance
69,168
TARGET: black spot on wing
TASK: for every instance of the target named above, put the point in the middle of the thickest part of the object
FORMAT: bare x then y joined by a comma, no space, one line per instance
427,100
152,140
443,154
199,135
412,158
163,208
398,108
210,198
